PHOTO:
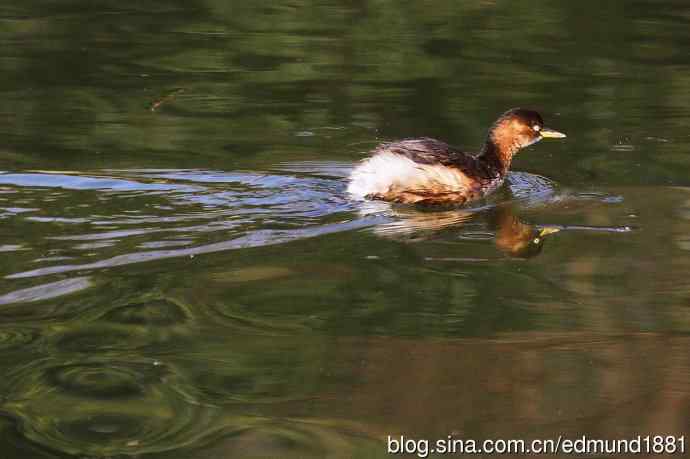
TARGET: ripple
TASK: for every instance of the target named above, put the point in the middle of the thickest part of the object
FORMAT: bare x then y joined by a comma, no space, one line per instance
249,179
236,316
12,337
46,291
78,408
56,258
163,244
103,235
244,209
531,189
258,238
101,338
160,312
623,147
94,245
79,182
8,212
73,221
97,380
327,169
11,248
298,439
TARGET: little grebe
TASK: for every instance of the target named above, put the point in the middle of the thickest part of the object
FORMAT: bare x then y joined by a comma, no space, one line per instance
428,171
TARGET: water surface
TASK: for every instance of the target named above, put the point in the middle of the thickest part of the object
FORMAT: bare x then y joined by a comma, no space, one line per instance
183,274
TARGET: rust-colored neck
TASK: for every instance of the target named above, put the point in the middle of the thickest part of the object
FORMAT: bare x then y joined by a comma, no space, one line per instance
500,146
497,155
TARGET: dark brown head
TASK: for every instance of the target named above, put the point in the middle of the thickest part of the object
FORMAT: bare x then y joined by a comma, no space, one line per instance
516,238
520,240
518,128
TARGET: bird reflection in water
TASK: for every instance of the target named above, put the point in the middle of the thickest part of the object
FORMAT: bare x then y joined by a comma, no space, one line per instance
515,237
510,234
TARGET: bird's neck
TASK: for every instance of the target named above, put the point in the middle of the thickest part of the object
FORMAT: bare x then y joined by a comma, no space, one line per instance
498,155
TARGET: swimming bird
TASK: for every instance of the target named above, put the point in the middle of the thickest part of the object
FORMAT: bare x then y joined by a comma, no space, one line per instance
428,171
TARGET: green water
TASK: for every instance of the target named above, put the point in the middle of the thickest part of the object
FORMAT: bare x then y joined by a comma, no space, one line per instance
184,276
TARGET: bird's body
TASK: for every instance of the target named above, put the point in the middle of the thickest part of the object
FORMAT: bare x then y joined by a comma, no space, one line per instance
424,171
428,171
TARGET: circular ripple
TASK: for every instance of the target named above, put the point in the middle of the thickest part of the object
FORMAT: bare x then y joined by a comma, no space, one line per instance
157,312
108,426
102,338
97,380
295,439
244,318
109,408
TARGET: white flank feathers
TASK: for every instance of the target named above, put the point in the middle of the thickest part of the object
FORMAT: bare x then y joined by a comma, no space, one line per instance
388,171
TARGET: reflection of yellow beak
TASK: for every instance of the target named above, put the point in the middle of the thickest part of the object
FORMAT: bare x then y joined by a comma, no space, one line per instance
551,134
546,231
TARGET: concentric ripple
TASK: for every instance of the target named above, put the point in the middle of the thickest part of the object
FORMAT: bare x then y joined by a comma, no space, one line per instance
99,380
158,312
51,404
293,439
102,337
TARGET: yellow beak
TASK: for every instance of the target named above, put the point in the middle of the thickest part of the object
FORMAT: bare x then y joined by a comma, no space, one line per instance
548,230
551,134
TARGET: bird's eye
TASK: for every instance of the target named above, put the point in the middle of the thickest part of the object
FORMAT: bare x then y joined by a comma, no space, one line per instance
536,240
536,127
